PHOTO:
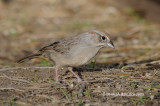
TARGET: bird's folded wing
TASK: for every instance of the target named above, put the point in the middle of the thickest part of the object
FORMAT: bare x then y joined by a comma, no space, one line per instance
59,47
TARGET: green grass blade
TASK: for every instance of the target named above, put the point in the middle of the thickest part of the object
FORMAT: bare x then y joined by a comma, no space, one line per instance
64,93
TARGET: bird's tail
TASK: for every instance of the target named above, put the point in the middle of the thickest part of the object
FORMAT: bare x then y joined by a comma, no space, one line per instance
29,57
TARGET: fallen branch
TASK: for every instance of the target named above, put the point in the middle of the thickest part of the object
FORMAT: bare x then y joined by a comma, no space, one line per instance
11,89
25,68
21,80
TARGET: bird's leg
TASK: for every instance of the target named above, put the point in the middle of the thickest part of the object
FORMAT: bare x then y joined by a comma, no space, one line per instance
71,70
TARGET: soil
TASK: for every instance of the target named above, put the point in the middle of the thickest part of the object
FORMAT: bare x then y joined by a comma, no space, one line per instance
128,75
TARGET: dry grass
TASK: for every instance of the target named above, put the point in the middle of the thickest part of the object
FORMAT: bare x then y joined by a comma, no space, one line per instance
132,69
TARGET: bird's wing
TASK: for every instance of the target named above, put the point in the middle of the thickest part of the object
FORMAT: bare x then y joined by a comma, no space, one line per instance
61,47
49,47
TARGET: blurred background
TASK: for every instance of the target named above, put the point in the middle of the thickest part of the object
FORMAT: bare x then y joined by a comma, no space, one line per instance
133,67
26,25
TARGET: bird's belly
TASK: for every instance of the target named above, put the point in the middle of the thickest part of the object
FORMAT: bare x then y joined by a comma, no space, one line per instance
81,58
75,58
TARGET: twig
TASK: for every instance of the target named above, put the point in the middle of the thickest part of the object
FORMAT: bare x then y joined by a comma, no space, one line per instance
11,89
97,80
25,68
21,80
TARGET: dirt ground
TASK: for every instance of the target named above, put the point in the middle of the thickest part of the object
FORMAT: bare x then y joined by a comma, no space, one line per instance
128,75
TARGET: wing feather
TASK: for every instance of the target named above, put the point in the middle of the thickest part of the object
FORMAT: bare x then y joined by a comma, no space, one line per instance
61,47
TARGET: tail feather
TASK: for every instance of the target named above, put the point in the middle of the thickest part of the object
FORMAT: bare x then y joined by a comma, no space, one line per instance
29,57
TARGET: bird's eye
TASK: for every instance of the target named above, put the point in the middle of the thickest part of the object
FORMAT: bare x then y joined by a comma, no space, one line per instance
103,37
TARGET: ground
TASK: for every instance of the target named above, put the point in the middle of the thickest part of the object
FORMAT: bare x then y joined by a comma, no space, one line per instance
127,75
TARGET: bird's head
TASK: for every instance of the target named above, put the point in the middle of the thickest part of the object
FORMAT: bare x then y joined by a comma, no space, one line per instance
101,39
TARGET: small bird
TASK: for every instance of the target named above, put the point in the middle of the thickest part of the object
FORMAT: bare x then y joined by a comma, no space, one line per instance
74,51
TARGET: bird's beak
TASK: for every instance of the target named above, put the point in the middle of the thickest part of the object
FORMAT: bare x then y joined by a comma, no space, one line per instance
110,44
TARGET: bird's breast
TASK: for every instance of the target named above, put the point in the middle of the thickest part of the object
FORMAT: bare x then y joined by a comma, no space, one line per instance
82,55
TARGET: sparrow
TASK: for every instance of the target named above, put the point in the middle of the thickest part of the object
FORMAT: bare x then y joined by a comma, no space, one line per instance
74,51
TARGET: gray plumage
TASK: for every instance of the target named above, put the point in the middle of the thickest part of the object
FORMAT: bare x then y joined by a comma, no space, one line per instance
76,50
